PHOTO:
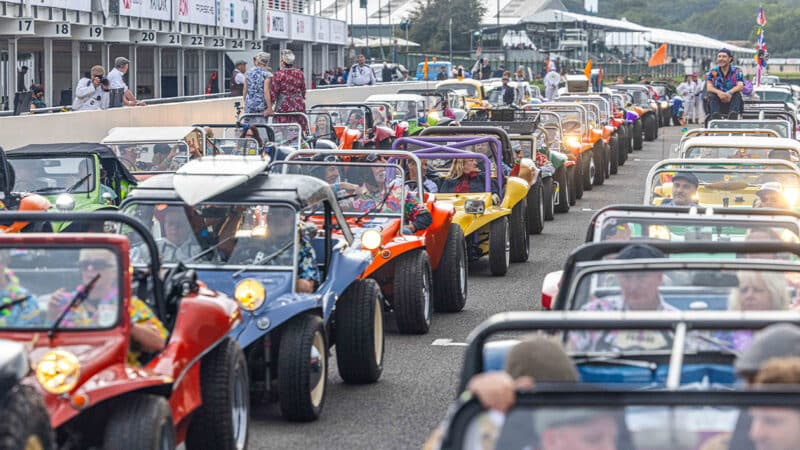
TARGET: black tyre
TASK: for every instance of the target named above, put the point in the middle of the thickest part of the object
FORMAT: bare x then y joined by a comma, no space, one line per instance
222,422
302,368
25,423
141,421
576,182
450,278
589,170
499,247
637,134
359,333
650,128
549,194
518,231
535,210
616,155
412,293
565,195
606,161
600,164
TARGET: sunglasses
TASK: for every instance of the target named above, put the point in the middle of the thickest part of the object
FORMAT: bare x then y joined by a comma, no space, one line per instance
372,157
96,264
330,158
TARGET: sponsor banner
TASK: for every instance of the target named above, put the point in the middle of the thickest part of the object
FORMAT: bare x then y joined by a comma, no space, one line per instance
302,27
148,9
322,29
201,12
338,32
238,14
78,5
276,24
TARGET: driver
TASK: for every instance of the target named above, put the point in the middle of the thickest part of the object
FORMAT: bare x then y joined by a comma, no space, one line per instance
129,157
465,176
321,126
178,243
354,120
148,334
24,313
684,190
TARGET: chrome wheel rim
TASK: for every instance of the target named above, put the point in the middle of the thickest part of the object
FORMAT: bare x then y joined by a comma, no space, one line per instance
426,295
240,411
462,271
508,243
317,369
378,331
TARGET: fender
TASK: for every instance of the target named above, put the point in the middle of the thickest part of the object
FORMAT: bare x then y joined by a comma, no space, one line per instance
436,234
382,133
347,264
391,250
28,203
608,130
516,191
557,158
527,171
279,311
595,134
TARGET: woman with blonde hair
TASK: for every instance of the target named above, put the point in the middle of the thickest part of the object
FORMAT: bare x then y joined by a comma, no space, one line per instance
465,176
760,291
256,91
520,74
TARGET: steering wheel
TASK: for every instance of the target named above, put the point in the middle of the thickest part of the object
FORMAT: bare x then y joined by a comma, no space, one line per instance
411,185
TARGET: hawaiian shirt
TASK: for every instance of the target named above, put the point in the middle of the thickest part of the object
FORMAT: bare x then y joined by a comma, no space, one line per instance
26,313
307,262
104,314
725,83
256,101
411,208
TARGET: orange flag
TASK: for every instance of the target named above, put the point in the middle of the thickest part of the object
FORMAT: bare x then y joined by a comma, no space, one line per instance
659,57
588,70
425,69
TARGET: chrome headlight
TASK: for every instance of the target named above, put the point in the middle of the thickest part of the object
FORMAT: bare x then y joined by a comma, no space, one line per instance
65,202
250,294
371,239
474,206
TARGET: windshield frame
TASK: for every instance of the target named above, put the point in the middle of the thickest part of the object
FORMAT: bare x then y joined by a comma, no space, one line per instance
92,164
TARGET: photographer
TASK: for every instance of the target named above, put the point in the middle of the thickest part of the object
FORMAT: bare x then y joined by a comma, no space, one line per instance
92,91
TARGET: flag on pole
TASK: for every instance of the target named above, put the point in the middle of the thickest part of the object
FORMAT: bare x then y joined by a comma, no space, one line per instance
659,57
761,19
588,69
425,69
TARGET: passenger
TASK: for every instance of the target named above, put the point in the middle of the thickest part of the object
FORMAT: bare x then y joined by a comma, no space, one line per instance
129,157
25,310
411,175
251,132
163,155
355,120
178,243
771,196
148,334
775,428
375,194
759,291
684,190
465,176
321,126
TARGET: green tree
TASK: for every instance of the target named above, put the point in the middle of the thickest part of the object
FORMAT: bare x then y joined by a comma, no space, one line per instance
430,21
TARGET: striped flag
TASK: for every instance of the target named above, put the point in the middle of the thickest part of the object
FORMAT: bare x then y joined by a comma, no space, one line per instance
761,19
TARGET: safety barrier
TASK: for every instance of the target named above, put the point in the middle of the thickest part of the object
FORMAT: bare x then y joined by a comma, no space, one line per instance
92,126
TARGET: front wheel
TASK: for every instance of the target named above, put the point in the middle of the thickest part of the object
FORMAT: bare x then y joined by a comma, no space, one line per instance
412,293
565,195
589,170
141,421
359,333
535,209
303,368
615,155
576,182
520,239
637,134
450,278
650,128
25,421
548,191
499,247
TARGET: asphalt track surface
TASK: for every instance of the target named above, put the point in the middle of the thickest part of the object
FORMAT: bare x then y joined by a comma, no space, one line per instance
419,378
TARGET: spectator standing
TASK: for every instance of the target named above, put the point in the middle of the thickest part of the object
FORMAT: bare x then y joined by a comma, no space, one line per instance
551,81
507,91
121,66
386,72
499,72
482,70
724,84
697,99
442,75
21,79
688,92
288,90
238,78
361,74
92,91
404,73
37,100
520,74
257,90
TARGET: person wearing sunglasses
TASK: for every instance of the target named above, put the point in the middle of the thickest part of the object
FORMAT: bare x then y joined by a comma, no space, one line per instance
178,242
148,334
25,310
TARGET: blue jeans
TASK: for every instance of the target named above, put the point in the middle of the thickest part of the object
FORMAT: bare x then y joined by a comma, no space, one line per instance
717,106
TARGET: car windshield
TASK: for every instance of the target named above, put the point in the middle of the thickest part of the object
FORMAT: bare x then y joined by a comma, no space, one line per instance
745,288
153,157
729,186
704,427
638,97
218,234
38,284
775,96
467,90
53,175
237,146
405,109
346,116
781,127
523,148
683,228
788,154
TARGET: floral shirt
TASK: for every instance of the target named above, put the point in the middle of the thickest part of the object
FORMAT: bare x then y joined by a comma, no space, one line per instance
307,262
26,313
255,101
722,82
412,208
104,313
289,95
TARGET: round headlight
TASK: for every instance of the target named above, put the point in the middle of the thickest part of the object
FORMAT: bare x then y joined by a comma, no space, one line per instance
58,371
371,239
250,294
65,202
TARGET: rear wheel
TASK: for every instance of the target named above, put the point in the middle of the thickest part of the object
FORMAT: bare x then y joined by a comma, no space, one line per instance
535,209
499,247
25,423
601,164
548,191
520,239
589,170
412,296
637,134
576,181
565,195
303,368
650,128
141,421
359,333
450,278
616,155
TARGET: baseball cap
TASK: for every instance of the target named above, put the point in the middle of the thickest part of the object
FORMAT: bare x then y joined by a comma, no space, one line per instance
686,176
726,50
772,186
775,341
542,359
640,251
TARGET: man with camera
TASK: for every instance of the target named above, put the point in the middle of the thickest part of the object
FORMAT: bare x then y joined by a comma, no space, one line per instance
92,91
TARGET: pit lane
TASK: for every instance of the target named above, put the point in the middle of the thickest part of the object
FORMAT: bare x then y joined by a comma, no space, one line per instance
419,378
